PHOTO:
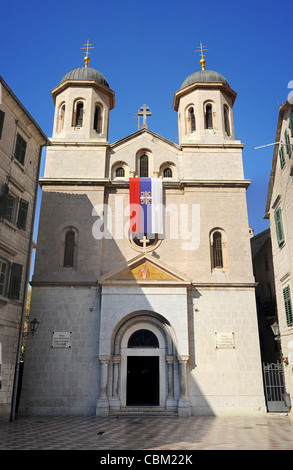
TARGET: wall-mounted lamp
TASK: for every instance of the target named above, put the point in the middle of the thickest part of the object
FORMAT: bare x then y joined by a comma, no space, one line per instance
276,331
33,326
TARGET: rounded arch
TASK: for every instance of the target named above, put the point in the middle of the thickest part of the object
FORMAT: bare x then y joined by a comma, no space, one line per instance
151,320
218,248
171,174
68,247
61,116
78,112
118,175
190,119
98,117
144,163
209,109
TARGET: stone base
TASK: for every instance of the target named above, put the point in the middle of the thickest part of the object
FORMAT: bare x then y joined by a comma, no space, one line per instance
184,410
102,407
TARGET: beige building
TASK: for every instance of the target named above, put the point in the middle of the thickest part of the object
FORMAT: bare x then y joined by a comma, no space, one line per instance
279,211
21,142
145,322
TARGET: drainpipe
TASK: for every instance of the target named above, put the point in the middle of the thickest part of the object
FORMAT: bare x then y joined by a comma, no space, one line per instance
16,374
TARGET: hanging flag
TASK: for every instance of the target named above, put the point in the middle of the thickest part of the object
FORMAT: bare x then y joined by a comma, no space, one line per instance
146,205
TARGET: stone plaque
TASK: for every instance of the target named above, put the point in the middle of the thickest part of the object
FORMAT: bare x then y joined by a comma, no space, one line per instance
225,340
61,339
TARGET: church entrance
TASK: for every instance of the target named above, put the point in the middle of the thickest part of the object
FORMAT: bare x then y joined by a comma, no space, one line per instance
142,381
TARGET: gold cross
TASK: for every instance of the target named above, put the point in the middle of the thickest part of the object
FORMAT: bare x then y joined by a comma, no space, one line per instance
87,47
145,197
201,52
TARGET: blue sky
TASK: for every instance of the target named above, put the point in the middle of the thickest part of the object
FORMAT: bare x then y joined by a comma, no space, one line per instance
146,50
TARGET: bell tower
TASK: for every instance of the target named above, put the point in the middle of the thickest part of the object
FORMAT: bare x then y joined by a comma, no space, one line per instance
204,104
83,101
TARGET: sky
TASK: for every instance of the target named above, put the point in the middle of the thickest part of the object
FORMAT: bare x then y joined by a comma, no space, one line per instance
146,50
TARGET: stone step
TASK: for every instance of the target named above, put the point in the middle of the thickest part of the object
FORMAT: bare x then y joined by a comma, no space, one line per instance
144,411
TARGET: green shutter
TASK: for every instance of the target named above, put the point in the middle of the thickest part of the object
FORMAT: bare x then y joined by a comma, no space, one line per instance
288,305
22,214
15,281
20,149
279,226
291,121
4,201
2,114
287,141
282,157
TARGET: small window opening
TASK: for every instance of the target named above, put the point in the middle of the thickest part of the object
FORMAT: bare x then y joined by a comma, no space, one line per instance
167,173
69,248
217,250
192,119
143,339
209,116
120,172
98,120
144,166
79,115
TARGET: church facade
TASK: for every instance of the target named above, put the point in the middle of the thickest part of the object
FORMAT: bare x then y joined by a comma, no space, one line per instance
160,322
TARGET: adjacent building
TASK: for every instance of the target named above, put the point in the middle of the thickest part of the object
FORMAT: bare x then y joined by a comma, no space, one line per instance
21,143
146,320
279,211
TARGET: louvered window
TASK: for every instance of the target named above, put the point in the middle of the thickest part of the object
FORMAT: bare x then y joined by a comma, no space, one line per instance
167,173
282,156
288,305
20,149
287,141
15,281
120,172
279,226
2,114
291,121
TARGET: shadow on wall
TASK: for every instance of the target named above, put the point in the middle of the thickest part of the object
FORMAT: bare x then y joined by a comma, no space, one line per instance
94,366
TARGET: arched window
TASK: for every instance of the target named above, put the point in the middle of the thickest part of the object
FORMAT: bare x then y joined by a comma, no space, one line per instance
167,173
120,172
79,115
192,119
143,339
69,249
98,119
209,117
144,166
61,117
226,120
217,250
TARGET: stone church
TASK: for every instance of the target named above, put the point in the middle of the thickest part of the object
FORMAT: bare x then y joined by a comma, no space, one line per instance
158,321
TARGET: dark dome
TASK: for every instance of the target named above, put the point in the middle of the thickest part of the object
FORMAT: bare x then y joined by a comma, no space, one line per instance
204,76
85,73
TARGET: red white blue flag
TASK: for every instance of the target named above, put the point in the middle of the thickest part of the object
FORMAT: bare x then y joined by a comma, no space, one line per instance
146,205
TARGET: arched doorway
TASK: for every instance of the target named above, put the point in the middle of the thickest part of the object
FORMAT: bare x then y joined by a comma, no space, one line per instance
143,366
142,382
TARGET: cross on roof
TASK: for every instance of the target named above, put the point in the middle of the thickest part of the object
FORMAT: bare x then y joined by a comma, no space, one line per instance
87,47
144,112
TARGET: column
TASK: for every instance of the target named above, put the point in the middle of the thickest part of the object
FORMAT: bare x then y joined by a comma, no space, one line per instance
170,362
103,404
183,404
116,366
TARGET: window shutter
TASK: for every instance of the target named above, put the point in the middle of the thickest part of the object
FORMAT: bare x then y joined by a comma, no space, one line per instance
282,157
4,201
287,141
20,149
291,121
288,305
2,114
22,214
279,226
15,281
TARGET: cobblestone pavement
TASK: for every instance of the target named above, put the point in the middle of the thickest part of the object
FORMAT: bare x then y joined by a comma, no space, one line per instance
270,432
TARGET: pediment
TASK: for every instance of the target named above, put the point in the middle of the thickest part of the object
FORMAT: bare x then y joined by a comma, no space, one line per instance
146,134
146,270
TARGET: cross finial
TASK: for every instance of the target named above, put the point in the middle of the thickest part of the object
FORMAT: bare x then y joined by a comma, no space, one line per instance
201,52
87,47
144,112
